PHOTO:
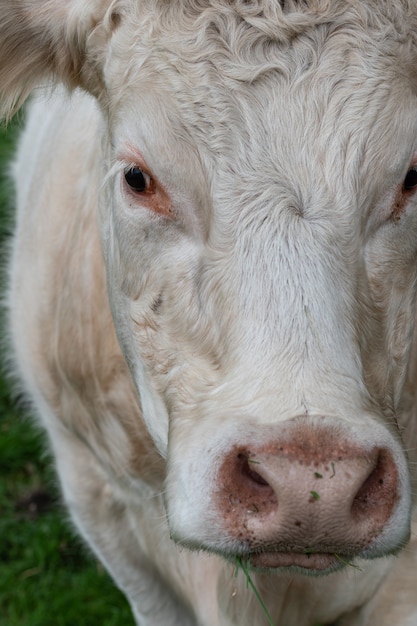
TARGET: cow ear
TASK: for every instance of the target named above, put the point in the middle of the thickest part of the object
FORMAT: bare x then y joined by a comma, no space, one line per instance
62,39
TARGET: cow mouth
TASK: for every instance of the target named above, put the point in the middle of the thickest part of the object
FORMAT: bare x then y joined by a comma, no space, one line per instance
312,562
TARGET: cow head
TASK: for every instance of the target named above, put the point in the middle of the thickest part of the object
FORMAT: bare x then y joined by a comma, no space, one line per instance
259,225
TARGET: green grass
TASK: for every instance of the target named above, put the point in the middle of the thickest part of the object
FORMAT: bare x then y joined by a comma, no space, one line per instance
47,577
244,566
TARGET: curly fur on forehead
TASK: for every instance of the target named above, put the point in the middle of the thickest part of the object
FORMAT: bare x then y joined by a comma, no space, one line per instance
246,39
203,54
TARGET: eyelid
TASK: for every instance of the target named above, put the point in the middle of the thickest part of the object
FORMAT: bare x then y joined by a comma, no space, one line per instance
157,199
130,156
149,180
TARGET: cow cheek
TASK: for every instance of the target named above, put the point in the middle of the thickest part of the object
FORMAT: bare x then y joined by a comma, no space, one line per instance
389,311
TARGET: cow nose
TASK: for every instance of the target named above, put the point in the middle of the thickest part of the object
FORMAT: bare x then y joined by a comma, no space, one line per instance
310,493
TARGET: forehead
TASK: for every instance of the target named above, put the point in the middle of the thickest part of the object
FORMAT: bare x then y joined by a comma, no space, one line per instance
238,82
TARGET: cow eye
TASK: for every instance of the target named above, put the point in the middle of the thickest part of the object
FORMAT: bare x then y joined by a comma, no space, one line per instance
410,181
138,180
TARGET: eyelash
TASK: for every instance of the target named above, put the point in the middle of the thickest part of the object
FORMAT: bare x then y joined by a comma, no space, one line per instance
146,191
138,180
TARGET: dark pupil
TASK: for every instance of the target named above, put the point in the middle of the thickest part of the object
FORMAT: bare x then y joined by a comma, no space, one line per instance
135,178
411,179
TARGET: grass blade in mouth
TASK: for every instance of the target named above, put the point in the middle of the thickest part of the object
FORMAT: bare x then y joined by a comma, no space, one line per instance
244,566
339,558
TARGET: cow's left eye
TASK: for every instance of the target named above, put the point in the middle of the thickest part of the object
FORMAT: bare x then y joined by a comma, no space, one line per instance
138,180
410,181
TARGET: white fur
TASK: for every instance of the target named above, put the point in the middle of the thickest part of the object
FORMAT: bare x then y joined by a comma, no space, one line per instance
271,277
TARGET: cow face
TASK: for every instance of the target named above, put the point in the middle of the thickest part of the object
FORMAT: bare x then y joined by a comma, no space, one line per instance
259,225
260,230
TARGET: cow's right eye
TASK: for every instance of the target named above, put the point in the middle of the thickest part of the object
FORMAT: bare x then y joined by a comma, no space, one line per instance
138,180
410,181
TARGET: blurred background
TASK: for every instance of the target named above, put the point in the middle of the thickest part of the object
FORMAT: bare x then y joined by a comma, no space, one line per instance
47,576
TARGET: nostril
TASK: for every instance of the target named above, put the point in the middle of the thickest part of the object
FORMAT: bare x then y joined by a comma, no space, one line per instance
379,492
248,469
245,491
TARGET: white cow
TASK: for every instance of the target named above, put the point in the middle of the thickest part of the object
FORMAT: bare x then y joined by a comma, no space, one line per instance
212,296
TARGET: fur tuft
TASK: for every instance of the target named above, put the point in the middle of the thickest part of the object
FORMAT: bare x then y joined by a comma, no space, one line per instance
42,41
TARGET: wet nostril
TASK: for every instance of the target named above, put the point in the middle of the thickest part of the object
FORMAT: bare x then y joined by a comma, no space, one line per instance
378,493
248,469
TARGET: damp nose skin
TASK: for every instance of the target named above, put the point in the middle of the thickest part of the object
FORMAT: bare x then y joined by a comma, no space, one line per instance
307,499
